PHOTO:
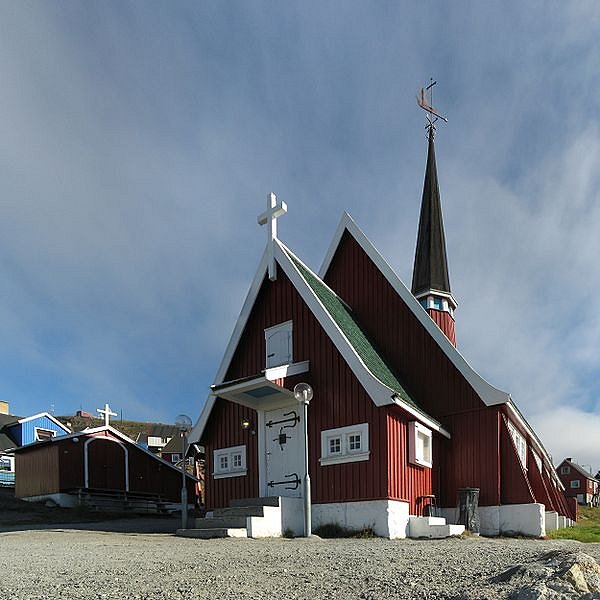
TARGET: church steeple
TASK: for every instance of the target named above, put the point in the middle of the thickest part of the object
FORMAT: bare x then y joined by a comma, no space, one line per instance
431,283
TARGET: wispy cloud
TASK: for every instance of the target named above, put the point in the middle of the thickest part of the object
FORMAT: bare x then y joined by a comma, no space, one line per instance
139,142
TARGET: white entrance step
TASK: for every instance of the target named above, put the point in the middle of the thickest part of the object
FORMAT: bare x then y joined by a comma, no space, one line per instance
432,527
246,517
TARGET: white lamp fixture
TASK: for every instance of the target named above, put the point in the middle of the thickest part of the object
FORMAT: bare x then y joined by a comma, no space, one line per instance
303,394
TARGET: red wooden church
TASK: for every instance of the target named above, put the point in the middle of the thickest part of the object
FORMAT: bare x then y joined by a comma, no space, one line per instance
398,416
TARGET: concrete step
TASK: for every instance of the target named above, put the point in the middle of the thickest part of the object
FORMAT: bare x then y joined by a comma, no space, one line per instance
239,511
207,534
264,501
444,531
220,522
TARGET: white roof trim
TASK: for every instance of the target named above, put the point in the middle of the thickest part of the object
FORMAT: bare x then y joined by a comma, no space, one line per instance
238,329
45,414
487,392
380,393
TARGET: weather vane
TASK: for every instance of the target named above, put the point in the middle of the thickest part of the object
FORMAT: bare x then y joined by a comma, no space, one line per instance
432,113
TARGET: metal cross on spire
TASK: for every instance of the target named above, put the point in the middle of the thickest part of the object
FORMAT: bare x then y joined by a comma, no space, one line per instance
432,113
107,413
269,217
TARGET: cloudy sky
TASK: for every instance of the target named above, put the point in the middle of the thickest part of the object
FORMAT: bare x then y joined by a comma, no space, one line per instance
138,141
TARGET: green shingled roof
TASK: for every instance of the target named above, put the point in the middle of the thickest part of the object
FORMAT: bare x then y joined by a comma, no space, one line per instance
344,319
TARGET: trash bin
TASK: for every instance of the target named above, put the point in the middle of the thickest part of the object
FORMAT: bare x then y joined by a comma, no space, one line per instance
468,509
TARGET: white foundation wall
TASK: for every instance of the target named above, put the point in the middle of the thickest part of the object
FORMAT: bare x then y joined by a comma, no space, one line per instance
387,518
292,515
508,519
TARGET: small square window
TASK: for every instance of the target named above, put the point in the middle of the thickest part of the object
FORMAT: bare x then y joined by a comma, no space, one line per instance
335,445
575,483
345,444
229,462
175,458
354,442
565,470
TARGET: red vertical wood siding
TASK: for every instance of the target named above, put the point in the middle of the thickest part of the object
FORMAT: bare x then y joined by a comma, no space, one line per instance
339,400
223,431
406,481
472,457
515,485
445,322
419,362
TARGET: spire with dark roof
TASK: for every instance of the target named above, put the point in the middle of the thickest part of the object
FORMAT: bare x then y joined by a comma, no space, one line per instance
431,283
431,266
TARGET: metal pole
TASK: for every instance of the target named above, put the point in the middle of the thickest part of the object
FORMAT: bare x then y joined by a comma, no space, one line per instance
183,486
306,482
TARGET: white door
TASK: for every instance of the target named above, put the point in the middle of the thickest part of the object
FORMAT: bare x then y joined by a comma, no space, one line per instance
285,452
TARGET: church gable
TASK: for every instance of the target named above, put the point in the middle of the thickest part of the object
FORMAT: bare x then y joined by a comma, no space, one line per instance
416,356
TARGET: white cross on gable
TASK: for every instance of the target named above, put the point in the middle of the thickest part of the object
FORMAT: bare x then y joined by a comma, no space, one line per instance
269,217
107,414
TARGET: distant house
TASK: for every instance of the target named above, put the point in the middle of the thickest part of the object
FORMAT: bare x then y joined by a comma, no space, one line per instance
171,452
99,466
579,483
157,437
16,432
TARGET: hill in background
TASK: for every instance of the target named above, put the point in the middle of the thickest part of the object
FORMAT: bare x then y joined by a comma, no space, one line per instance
129,428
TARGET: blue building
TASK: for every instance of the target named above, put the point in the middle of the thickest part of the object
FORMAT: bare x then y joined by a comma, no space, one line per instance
20,431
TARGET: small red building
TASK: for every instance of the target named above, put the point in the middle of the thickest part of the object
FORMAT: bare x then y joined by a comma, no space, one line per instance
578,483
398,415
100,466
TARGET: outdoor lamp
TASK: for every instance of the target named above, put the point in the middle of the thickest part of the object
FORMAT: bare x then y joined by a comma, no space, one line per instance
303,394
184,424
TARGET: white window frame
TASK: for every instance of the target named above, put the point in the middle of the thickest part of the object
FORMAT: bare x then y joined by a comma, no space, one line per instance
520,443
422,454
575,484
45,430
565,470
175,457
345,455
229,471
287,326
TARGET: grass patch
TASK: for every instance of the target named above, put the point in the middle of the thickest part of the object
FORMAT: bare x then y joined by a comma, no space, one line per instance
587,528
333,530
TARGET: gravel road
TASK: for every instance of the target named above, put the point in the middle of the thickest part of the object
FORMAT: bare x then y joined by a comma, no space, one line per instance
66,563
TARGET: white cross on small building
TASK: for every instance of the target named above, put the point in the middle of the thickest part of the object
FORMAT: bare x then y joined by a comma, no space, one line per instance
269,217
107,414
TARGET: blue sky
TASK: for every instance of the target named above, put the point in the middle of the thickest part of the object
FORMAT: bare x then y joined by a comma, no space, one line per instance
139,141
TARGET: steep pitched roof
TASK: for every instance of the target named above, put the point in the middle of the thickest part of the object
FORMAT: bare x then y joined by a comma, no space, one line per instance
579,469
333,315
430,270
488,393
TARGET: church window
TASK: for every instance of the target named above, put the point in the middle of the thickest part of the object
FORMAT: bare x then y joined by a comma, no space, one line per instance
345,444
229,462
420,444
565,470
575,483
520,443
278,342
